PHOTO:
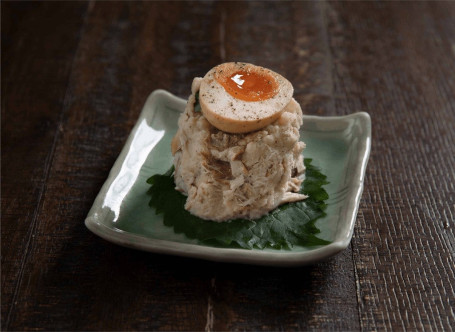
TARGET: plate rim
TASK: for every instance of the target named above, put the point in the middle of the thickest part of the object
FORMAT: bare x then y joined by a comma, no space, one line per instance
231,255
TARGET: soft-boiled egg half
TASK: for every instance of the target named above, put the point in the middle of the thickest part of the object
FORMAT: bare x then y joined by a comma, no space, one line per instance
238,97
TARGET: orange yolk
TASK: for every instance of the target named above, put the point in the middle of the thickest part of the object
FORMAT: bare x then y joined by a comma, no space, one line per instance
249,85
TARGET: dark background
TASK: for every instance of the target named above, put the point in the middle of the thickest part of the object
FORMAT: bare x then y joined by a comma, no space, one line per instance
75,76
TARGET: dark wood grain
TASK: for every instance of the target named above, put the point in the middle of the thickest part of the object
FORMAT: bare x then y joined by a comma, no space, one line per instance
74,79
35,73
395,61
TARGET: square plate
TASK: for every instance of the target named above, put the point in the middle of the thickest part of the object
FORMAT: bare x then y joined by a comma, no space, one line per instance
339,146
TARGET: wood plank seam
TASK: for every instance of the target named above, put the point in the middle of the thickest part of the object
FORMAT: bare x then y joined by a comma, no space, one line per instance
325,16
210,314
356,278
47,169
325,8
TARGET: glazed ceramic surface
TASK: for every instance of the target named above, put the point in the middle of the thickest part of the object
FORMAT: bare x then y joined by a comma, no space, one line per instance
339,146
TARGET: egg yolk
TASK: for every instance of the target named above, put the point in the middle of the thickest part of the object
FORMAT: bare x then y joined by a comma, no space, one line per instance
249,85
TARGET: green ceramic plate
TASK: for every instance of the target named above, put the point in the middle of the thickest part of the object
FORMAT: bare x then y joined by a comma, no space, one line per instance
340,146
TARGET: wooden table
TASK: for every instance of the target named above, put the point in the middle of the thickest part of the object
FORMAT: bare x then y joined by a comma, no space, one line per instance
75,76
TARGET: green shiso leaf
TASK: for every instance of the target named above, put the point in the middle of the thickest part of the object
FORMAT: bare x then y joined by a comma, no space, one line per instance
288,225
197,106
